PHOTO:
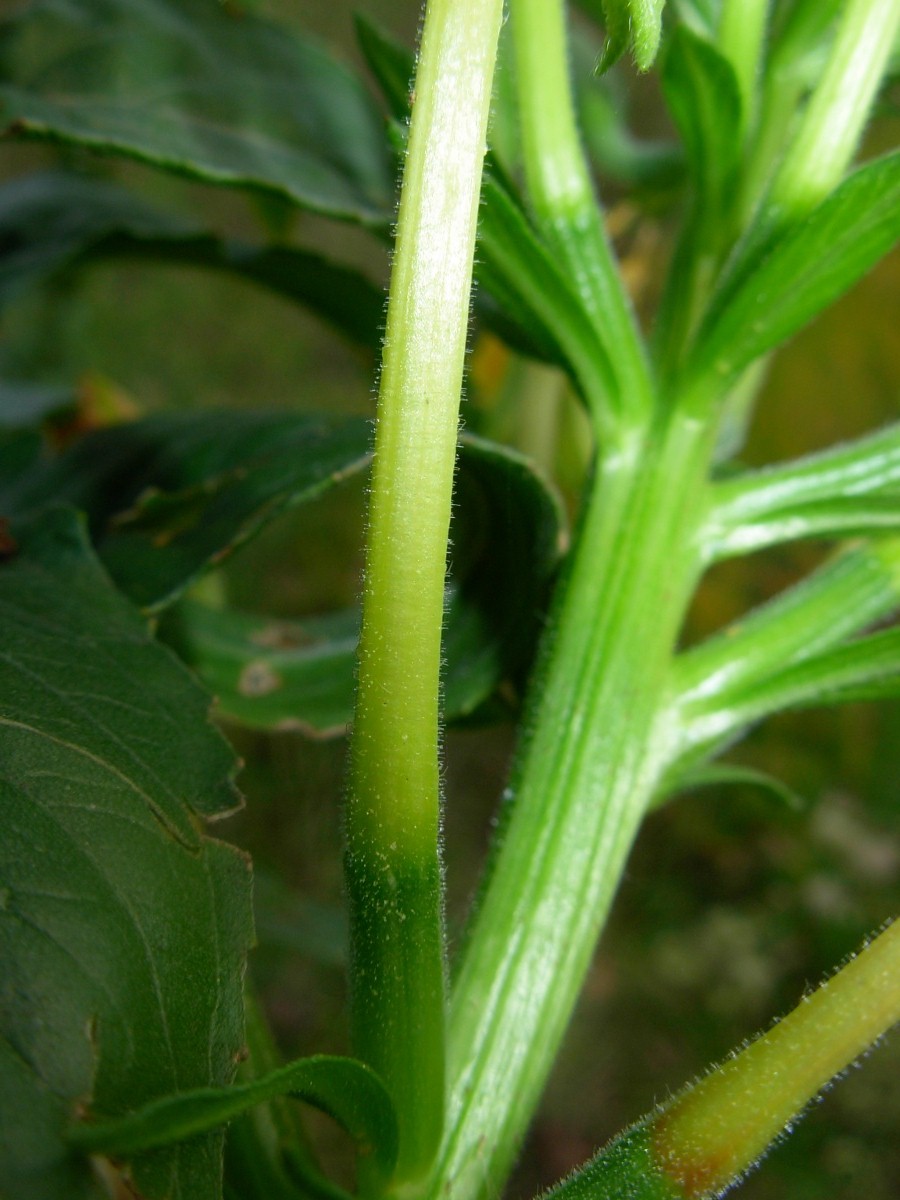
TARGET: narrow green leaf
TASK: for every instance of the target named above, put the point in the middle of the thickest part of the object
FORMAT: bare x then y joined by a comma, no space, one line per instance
190,86
867,668
702,94
52,220
519,268
390,62
768,660
123,928
719,774
343,1088
635,22
778,288
853,488
841,517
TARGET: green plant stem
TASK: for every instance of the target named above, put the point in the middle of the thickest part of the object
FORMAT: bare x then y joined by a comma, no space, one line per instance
392,812
742,25
838,109
562,195
594,748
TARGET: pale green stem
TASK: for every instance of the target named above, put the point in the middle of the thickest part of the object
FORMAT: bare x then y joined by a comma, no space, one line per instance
838,109
392,813
715,1130
562,195
594,749
742,25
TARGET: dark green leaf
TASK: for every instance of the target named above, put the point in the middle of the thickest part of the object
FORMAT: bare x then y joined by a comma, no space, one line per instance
345,1089
192,87
171,495
52,220
271,674
774,291
123,928
301,674
522,273
715,774
703,96
390,62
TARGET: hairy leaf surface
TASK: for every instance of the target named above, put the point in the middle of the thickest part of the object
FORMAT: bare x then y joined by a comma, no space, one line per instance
123,927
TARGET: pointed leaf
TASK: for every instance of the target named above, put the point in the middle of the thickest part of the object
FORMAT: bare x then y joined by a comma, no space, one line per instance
718,774
52,220
390,62
847,489
784,285
842,517
343,1088
192,87
703,96
124,928
638,22
519,269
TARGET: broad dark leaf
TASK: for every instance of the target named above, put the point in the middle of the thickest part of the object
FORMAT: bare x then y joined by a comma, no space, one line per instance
124,928
171,495
774,291
301,674
191,86
53,220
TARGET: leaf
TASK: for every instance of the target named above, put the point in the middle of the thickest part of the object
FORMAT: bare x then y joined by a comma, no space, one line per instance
867,668
170,496
848,489
124,928
53,220
773,293
716,774
390,62
301,674
189,86
522,273
343,1088
636,21
703,96
840,517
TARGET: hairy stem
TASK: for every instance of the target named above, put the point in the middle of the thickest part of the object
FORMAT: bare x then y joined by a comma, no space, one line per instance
594,750
392,812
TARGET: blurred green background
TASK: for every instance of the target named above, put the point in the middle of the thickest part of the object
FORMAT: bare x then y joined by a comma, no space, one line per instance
734,903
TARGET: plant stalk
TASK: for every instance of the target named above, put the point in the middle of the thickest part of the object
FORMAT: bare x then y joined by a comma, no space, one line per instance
392,811
594,750
562,196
